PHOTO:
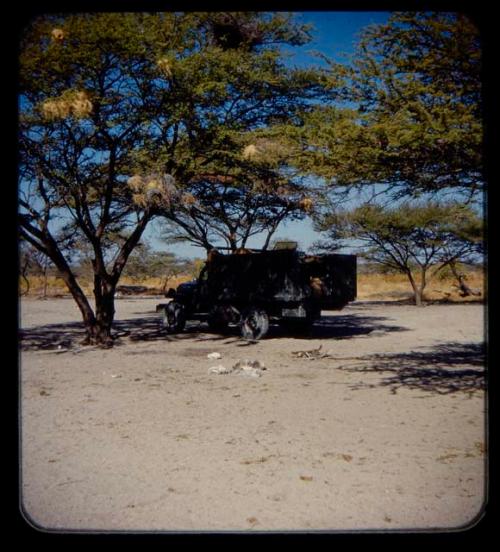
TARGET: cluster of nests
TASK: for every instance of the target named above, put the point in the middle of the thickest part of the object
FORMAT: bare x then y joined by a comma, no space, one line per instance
229,32
157,190
160,190
74,103
165,66
58,35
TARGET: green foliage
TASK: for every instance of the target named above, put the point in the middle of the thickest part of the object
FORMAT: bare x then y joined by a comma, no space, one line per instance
418,231
145,263
411,237
414,119
218,102
170,99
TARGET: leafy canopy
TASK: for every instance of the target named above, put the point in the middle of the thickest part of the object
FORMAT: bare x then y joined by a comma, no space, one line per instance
412,120
125,116
409,234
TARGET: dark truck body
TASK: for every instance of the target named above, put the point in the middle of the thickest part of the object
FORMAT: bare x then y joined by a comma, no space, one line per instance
285,285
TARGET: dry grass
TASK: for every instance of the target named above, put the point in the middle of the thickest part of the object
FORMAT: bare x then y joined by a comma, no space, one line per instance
55,287
394,287
371,287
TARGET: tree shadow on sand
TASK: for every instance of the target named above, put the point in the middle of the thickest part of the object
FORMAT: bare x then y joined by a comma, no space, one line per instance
51,336
149,328
70,335
445,369
347,326
327,327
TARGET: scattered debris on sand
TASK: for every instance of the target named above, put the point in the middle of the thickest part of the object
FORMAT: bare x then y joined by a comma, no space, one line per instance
312,354
249,368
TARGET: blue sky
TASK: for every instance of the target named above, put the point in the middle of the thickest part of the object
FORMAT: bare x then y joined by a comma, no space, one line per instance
335,32
335,35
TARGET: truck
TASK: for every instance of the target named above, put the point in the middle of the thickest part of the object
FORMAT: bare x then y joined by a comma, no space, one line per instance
251,289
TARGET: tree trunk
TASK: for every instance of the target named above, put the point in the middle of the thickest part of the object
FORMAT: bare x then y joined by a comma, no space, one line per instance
89,319
45,280
465,290
417,290
99,331
423,283
98,325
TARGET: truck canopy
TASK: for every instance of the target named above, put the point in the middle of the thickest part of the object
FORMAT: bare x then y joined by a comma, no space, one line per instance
281,275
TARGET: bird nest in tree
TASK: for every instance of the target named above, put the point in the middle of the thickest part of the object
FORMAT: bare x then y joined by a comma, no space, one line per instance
306,204
230,31
265,150
165,66
188,199
58,35
250,152
154,189
70,104
283,191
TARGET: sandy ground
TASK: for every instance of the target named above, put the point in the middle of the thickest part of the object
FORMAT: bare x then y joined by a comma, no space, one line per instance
386,432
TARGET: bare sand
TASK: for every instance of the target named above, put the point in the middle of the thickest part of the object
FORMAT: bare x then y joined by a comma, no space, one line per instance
386,432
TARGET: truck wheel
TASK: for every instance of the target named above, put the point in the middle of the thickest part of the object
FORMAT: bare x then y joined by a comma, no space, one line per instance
174,317
255,324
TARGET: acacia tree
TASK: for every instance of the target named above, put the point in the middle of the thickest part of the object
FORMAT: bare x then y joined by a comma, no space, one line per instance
411,128
164,97
32,263
223,212
410,238
82,97
144,263
413,123
231,92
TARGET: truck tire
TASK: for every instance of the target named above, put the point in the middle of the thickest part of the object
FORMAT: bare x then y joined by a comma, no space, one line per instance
174,317
255,324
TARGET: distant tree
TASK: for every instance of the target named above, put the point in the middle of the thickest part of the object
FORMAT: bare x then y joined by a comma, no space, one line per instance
144,262
467,247
410,238
225,212
196,267
32,263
